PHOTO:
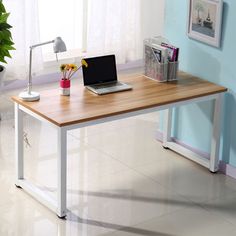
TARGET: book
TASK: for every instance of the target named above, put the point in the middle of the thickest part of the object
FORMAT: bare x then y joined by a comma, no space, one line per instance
157,54
161,53
173,52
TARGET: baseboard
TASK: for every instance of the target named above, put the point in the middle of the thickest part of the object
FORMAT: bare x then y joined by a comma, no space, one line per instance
39,80
227,169
224,168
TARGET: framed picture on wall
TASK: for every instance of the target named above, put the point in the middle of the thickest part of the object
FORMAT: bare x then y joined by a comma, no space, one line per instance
204,21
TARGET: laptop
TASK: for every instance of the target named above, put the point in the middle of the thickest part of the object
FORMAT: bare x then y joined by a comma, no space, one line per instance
100,76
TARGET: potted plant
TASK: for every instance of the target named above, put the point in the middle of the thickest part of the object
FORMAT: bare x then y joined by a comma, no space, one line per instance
6,43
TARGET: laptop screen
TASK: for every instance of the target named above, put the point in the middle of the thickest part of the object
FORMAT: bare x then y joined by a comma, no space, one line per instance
100,70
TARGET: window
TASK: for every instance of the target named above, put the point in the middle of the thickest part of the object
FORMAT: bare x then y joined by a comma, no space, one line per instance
95,27
66,19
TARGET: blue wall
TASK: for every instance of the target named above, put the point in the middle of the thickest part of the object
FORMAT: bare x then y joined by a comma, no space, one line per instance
218,65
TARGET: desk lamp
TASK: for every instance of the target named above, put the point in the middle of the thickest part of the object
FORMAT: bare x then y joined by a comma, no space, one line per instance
58,46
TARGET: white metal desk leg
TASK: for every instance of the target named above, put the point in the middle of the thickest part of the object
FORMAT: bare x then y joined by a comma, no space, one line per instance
167,127
62,172
215,141
19,144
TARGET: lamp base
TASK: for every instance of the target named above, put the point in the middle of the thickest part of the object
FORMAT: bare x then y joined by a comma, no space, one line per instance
29,97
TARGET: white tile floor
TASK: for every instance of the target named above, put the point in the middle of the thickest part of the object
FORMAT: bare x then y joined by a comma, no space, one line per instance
120,182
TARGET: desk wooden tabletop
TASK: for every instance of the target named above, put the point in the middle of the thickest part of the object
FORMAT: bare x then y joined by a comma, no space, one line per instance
83,105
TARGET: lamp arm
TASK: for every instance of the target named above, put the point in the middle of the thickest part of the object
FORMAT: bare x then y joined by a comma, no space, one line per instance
30,71
30,62
41,44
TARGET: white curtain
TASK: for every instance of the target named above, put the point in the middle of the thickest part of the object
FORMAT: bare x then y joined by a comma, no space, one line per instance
61,18
114,27
25,32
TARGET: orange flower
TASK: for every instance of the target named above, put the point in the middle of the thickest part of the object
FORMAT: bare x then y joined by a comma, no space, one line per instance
67,67
73,67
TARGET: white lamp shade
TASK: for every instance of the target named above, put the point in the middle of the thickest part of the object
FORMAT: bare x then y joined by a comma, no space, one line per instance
59,45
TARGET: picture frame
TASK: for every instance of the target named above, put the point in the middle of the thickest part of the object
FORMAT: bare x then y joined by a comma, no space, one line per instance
205,20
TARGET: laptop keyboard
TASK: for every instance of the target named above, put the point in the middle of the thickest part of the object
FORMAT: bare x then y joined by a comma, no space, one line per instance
107,85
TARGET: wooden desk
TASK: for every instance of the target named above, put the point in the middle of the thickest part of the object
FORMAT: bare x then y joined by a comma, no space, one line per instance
84,108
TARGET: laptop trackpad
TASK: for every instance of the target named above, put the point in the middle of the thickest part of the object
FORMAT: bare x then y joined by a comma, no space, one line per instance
109,88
